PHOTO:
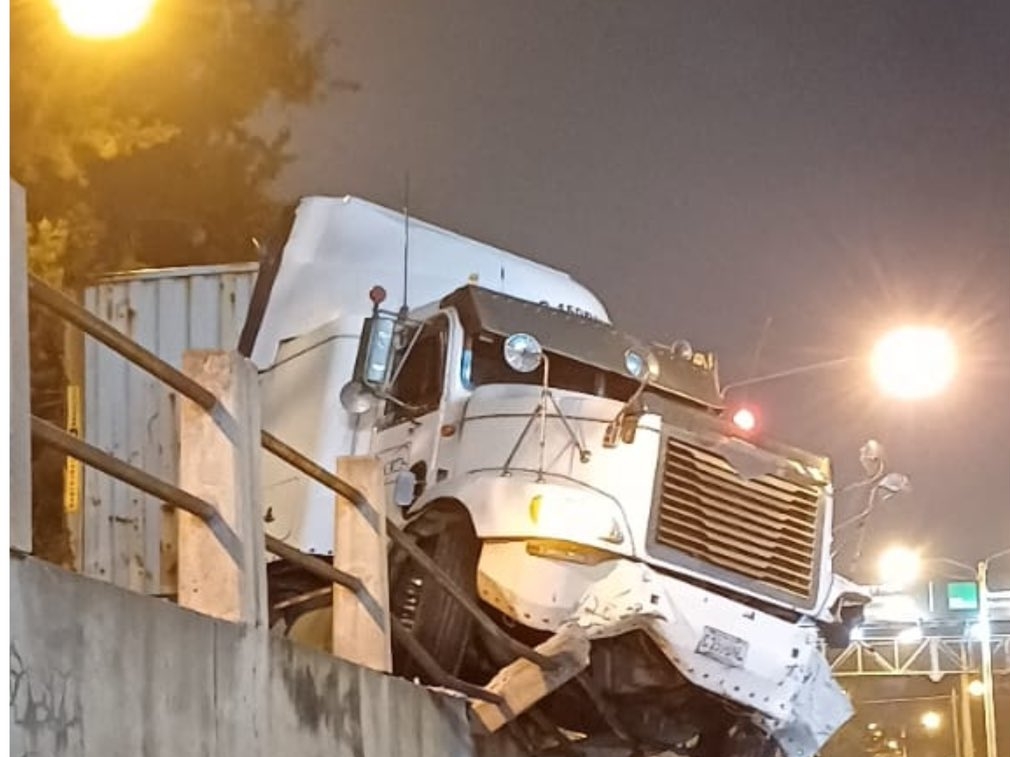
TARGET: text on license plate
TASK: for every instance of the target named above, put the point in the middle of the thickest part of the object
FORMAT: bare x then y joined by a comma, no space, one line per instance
723,647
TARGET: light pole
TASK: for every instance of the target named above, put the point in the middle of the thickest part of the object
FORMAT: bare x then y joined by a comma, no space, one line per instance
955,720
988,694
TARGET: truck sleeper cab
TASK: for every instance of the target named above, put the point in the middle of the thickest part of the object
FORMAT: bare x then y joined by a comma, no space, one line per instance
602,486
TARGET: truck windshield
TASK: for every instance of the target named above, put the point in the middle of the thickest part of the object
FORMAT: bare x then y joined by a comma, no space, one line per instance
483,363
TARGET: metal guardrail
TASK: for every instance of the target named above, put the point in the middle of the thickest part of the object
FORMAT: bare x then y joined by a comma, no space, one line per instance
73,313
113,466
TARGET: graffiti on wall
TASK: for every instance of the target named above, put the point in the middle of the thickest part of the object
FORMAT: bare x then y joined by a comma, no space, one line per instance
45,709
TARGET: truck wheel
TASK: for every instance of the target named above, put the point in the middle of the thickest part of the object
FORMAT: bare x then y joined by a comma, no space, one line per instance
433,617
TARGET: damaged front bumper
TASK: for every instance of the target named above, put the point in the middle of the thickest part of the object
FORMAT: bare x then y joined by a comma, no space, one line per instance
770,667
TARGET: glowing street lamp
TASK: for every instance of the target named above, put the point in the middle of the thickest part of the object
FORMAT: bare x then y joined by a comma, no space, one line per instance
899,566
103,19
931,720
913,362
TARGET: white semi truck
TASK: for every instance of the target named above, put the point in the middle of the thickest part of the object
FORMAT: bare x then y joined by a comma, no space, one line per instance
563,472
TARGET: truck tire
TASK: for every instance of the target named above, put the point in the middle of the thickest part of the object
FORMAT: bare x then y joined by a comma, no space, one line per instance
435,619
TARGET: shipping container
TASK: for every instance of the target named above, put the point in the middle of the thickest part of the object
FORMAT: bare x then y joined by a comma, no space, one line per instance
121,534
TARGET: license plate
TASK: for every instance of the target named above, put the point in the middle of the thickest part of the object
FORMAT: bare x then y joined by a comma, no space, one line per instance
725,648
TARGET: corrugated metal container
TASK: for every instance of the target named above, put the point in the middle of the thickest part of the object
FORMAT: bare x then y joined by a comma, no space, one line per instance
127,537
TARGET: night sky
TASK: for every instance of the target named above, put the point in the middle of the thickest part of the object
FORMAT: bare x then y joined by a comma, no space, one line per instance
776,181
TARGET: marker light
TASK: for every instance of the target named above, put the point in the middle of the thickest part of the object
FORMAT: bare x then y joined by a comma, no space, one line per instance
745,420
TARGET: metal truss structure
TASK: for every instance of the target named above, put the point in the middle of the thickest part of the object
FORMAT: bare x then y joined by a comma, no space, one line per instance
934,656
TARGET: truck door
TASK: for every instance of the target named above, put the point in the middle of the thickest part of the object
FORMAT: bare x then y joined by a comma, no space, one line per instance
408,432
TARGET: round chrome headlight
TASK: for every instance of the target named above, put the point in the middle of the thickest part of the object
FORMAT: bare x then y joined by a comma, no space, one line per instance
634,363
523,353
641,364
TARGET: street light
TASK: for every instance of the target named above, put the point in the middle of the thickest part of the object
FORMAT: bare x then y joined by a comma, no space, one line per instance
931,720
899,566
103,19
914,362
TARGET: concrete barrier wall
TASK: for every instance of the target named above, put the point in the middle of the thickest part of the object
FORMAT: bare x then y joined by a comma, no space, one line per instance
101,672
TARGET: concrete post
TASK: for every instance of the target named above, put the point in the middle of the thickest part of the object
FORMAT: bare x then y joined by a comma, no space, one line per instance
20,433
361,630
221,464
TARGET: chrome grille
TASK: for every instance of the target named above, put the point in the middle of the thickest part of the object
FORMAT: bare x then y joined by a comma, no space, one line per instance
763,528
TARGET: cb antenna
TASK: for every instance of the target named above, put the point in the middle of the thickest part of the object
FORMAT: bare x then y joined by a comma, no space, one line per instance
406,239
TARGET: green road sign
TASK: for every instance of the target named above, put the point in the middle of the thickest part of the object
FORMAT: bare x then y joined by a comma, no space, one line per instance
962,595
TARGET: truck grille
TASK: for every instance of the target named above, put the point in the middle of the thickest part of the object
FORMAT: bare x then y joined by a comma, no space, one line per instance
763,528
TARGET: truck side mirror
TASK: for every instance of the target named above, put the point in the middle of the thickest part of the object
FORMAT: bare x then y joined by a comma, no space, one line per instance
375,350
371,368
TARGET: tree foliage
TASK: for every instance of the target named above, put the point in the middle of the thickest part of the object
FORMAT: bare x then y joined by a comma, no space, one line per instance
137,151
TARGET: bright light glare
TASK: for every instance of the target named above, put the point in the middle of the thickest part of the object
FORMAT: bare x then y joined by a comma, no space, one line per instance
976,688
979,631
910,635
893,608
914,362
892,744
103,19
744,419
931,720
899,566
